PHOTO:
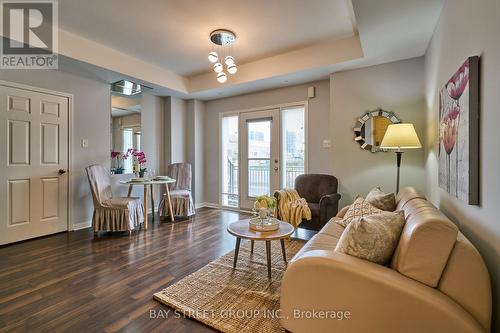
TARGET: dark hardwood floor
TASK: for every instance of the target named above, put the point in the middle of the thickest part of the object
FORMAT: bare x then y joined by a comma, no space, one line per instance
73,282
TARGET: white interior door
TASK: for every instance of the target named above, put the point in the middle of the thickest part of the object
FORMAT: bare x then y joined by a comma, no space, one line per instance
259,158
33,164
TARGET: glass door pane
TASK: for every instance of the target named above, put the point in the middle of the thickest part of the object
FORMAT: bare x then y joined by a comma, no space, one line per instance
292,145
229,136
259,157
259,182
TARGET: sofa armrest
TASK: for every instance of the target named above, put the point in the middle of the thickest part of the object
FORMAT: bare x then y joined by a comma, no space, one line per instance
328,207
377,298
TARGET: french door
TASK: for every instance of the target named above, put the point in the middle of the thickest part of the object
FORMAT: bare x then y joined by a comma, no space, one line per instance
33,163
259,157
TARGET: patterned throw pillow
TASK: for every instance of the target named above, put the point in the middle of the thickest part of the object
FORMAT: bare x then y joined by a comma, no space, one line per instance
381,200
373,237
359,208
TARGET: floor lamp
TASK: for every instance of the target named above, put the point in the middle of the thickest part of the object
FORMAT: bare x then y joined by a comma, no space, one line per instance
397,137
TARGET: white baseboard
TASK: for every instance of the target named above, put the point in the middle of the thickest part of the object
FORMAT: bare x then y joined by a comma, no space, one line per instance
206,205
81,225
217,206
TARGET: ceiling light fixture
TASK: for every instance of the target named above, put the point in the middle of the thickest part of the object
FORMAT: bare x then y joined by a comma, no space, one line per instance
232,69
218,67
222,40
222,77
213,57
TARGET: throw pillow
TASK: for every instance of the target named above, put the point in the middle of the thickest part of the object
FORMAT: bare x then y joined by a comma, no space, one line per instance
359,208
373,237
381,200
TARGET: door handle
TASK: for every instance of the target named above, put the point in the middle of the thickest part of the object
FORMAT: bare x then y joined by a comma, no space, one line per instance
275,168
62,171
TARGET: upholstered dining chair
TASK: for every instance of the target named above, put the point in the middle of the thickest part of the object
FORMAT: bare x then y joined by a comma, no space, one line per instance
180,191
112,213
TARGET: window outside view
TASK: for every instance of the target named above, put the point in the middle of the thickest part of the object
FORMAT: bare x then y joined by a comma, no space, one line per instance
230,161
292,145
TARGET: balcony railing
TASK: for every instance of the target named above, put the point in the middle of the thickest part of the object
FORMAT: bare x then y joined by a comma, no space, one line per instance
258,179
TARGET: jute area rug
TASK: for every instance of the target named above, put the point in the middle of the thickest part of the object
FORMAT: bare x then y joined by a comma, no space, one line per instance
234,300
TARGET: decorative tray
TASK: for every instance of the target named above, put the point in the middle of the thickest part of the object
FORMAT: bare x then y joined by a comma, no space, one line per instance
135,180
270,224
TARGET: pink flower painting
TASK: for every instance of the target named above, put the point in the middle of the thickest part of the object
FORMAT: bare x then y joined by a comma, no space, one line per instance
458,127
458,82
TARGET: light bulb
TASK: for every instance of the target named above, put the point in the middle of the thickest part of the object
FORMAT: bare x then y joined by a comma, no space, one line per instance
222,77
218,67
232,69
213,57
229,60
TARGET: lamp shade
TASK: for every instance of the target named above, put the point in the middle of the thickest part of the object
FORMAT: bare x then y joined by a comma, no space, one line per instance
400,136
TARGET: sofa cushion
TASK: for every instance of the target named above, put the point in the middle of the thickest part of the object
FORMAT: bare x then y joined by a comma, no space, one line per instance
359,208
373,237
426,242
381,200
318,242
326,239
332,228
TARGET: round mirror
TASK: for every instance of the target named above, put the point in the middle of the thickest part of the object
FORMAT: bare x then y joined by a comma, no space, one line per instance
370,128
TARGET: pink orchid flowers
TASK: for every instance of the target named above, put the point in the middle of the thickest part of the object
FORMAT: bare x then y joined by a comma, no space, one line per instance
450,128
458,82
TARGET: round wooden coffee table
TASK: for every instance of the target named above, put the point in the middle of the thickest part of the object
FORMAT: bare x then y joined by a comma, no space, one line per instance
241,229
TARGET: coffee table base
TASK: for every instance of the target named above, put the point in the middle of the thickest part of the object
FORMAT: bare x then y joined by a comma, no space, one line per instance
268,253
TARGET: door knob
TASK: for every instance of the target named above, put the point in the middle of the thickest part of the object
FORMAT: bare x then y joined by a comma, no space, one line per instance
62,171
275,168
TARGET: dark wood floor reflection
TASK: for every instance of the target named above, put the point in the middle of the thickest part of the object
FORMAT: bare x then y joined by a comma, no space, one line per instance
71,282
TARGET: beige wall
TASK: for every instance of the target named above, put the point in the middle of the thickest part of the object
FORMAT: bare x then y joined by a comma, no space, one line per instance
318,119
195,154
175,136
467,28
397,87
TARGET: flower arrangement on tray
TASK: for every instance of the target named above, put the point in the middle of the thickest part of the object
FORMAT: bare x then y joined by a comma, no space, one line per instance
264,209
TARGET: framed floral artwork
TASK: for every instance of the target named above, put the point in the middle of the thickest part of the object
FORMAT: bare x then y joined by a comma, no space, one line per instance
459,133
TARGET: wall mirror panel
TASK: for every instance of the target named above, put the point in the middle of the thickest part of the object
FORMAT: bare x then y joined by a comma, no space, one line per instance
370,128
126,131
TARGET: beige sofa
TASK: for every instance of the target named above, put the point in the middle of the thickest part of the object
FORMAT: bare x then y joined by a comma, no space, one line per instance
436,281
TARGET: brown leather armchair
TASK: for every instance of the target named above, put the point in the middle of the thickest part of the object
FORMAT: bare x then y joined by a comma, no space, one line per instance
320,192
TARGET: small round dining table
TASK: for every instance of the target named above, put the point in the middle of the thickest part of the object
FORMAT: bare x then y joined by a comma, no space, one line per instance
148,187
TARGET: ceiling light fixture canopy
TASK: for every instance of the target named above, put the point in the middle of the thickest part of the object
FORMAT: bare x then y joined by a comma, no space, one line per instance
222,37
222,40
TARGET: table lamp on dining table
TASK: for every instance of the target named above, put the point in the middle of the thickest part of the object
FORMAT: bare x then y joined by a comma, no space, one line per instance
397,137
